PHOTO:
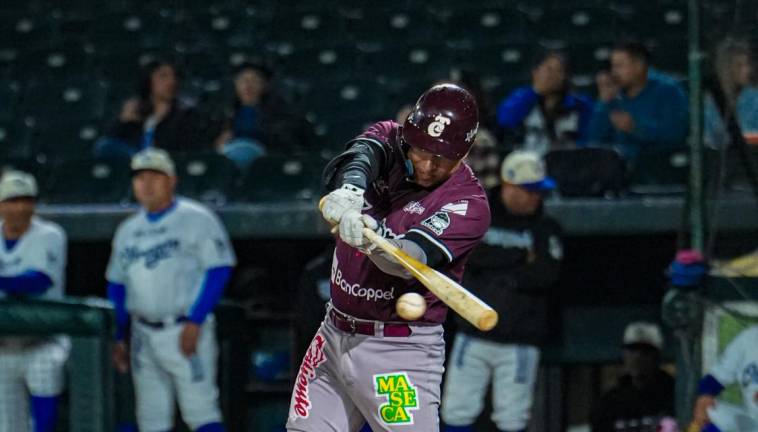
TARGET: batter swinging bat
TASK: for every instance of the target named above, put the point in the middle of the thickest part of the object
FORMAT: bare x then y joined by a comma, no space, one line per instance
467,305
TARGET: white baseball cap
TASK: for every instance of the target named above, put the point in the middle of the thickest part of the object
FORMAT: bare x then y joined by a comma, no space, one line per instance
526,169
153,159
643,333
17,184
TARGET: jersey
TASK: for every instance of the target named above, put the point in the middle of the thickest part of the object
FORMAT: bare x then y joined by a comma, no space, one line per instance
739,364
452,217
163,262
41,248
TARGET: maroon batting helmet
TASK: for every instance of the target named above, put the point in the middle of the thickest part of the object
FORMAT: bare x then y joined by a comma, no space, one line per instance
444,122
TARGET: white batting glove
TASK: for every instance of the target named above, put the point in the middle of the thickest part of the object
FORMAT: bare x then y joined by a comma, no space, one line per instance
339,201
351,229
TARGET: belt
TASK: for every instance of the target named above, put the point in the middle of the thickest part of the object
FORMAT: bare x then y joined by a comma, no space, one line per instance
351,325
163,323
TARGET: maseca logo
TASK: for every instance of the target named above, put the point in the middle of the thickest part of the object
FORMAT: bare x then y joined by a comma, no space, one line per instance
436,127
355,290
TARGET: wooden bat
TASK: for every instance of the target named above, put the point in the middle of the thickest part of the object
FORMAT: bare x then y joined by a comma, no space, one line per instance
466,304
449,291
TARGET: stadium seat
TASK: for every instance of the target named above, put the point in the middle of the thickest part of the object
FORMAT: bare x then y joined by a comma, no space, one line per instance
317,64
587,172
660,172
86,181
9,97
63,138
280,178
208,177
307,29
484,26
78,99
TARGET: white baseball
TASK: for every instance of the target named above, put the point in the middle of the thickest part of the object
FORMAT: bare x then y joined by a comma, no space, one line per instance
411,306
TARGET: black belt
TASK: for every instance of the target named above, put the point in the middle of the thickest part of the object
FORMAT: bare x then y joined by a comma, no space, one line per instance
164,323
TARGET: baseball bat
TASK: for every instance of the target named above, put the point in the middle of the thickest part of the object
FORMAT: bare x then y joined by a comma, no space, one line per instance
461,300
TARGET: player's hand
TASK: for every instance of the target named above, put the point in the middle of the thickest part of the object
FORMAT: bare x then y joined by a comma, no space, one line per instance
120,356
700,414
188,339
351,228
339,201
622,121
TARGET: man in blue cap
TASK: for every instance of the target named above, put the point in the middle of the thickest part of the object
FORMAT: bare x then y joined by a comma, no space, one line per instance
512,270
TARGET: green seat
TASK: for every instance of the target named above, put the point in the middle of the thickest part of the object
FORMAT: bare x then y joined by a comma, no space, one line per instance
281,178
63,137
207,177
82,99
86,181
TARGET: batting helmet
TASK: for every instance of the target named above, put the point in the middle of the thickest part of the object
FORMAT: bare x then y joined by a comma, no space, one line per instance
444,121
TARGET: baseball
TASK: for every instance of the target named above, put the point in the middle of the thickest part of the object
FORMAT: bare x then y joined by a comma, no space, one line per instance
411,306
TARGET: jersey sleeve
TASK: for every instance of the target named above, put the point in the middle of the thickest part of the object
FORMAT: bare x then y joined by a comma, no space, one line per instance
214,247
115,272
455,228
727,366
49,256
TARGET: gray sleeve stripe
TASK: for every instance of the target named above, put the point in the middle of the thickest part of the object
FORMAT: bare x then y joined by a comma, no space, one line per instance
435,241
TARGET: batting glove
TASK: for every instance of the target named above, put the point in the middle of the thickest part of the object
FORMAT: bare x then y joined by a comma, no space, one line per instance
339,201
351,229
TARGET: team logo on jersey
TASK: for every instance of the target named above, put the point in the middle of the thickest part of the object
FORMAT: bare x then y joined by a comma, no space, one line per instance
10,263
437,222
460,208
314,357
414,207
153,255
436,127
749,375
401,397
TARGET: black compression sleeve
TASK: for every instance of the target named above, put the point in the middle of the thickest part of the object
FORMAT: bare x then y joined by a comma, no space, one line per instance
359,165
434,256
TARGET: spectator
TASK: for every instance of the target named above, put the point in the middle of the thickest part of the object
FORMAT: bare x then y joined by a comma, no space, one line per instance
260,121
546,115
731,96
156,117
644,394
512,271
738,364
638,109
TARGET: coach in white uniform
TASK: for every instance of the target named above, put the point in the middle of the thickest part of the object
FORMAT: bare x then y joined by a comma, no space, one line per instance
32,264
738,364
168,268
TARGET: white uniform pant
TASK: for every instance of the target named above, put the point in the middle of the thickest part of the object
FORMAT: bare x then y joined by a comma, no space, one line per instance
732,418
34,369
161,374
474,364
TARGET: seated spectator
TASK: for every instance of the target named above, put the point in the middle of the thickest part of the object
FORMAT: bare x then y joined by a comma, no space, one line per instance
730,94
644,394
156,117
545,115
638,109
259,121
737,364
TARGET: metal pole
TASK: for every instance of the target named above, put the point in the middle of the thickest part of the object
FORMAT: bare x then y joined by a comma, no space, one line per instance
689,353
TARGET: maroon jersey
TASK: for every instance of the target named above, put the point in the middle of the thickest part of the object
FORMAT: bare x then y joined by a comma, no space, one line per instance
454,217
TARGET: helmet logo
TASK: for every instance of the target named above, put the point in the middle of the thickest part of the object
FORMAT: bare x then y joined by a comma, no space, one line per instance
472,133
436,127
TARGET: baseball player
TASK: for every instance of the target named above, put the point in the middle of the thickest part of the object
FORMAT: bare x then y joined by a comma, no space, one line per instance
408,183
32,264
168,268
738,364
513,270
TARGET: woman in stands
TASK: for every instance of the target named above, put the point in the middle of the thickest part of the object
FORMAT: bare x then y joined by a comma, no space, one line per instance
155,117
259,121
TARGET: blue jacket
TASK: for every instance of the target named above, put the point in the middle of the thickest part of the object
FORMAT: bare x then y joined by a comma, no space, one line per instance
660,114
521,113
